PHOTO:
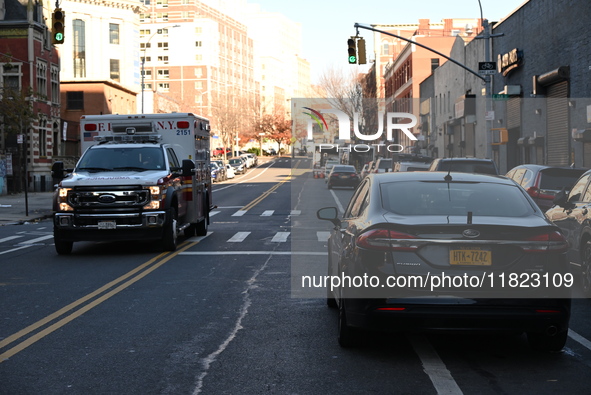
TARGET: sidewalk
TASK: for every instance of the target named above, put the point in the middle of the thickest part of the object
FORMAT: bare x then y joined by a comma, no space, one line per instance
13,208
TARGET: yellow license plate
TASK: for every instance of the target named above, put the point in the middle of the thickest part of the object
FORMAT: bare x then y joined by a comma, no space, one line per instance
470,257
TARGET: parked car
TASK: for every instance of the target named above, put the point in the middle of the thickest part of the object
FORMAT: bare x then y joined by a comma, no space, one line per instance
249,158
383,165
220,151
239,165
571,214
270,152
542,183
230,173
342,176
328,165
465,165
222,173
404,229
215,172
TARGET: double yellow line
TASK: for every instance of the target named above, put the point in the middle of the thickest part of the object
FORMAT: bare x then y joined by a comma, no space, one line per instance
100,295
264,195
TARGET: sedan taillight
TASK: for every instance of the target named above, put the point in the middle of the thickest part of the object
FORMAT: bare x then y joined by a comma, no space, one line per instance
385,240
547,242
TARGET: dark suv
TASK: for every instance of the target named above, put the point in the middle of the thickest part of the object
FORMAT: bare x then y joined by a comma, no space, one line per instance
465,165
542,183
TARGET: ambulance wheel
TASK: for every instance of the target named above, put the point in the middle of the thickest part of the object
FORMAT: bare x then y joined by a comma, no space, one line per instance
169,237
62,247
201,227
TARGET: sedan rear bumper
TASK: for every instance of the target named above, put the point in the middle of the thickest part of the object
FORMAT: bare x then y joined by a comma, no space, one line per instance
537,316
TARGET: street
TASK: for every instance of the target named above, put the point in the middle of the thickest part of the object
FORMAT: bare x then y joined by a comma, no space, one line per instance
223,314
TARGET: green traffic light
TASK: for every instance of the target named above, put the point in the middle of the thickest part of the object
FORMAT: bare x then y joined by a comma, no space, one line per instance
352,59
59,36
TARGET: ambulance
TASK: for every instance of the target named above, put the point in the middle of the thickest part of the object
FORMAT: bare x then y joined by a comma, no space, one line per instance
140,177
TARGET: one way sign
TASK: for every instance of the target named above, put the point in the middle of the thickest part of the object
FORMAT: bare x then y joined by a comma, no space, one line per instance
487,68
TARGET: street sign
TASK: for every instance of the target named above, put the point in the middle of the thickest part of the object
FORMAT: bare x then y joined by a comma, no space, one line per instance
487,68
500,96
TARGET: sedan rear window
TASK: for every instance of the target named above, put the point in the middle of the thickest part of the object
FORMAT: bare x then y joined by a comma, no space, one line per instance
454,198
468,167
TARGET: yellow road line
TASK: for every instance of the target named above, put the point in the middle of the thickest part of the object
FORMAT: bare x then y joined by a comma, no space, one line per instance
21,346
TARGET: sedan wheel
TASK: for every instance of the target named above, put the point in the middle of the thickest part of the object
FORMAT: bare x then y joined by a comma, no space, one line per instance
547,343
348,337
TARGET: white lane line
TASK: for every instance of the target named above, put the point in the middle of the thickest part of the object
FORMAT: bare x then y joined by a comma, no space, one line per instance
338,202
238,237
267,213
243,181
15,249
280,237
253,253
578,338
295,212
33,241
239,213
322,236
9,238
434,367
212,213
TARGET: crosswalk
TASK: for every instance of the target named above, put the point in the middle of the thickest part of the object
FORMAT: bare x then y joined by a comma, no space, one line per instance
277,237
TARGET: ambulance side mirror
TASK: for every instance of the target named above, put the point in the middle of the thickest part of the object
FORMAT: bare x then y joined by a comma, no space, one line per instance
57,171
188,168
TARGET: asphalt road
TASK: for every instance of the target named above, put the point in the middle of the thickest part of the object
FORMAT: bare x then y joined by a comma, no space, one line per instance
224,315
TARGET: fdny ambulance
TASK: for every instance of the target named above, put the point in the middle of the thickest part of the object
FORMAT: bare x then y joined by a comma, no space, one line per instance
140,177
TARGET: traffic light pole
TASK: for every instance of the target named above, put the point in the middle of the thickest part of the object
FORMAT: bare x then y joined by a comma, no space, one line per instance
359,26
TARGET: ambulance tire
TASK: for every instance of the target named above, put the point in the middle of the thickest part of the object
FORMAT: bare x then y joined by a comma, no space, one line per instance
62,247
201,227
169,236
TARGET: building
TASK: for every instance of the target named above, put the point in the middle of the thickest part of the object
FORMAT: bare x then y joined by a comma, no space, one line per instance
100,64
29,97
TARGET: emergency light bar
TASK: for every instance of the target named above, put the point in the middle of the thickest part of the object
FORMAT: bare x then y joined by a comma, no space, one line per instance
127,138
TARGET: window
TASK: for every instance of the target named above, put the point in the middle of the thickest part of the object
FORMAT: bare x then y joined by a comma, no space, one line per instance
144,32
198,43
198,57
55,89
163,46
145,18
147,86
163,59
198,72
145,45
79,41
198,30
164,87
161,3
163,74
42,77
146,59
434,64
43,137
11,76
185,14
114,69
113,33
385,49
162,17
198,84
147,73
75,100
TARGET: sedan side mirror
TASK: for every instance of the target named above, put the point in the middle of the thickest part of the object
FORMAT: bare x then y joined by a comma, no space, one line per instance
329,214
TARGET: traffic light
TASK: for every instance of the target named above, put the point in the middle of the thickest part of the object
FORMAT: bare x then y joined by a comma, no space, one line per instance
58,23
352,51
361,51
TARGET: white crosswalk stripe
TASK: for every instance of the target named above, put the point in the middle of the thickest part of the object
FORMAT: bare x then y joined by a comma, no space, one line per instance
267,213
280,237
322,236
212,213
238,237
239,213
9,238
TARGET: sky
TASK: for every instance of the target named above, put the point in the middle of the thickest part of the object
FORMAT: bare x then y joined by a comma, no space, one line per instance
327,24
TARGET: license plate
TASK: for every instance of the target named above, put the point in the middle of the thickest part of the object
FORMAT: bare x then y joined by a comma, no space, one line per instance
344,176
470,257
107,225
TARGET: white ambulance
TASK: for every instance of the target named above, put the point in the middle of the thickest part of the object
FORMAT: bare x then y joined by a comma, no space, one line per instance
140,177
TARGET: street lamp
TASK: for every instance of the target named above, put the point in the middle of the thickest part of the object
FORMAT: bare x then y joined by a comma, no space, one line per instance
144,59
